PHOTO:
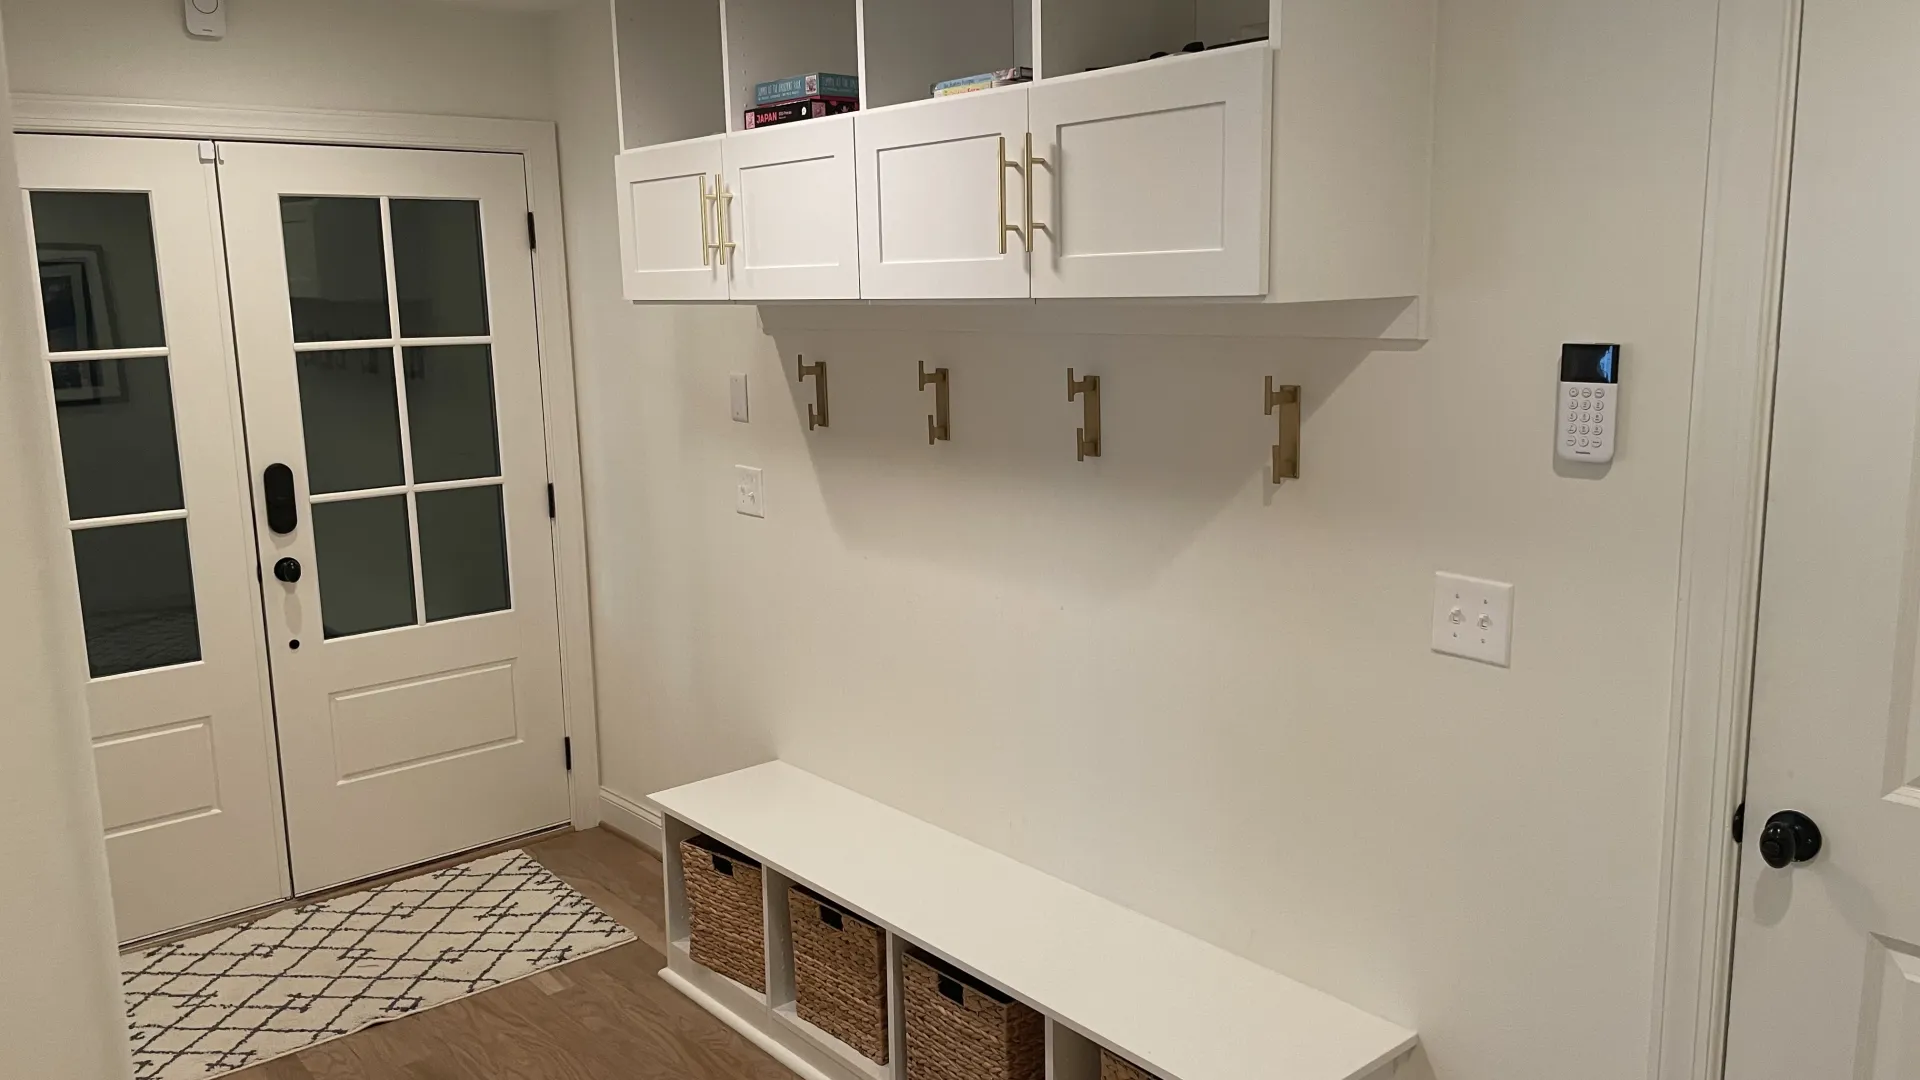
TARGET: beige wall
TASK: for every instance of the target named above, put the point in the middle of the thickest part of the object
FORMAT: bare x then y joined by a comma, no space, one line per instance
1158,677
60,1013
367,55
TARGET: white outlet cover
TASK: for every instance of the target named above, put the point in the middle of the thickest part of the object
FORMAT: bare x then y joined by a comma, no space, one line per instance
1473,618
750,493
737,394
206,18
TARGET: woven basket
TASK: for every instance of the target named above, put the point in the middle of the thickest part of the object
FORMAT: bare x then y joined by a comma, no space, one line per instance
726,911
839,972
1113,1068
958,1029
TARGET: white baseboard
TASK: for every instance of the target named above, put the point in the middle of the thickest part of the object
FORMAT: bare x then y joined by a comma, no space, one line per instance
636,822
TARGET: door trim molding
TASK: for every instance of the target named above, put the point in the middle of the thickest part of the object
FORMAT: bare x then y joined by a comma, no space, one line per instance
538,144
1742,270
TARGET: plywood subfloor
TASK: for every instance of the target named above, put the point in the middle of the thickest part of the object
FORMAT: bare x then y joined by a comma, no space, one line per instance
608,1017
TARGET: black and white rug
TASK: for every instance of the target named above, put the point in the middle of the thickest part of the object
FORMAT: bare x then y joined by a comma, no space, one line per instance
247,994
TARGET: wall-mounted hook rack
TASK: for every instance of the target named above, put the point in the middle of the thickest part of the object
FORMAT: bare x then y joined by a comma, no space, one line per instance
1088,437
817,412
1286,453
940,423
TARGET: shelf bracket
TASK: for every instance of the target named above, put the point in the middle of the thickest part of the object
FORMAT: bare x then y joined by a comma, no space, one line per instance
1286,453
817,412
940,423
1087,438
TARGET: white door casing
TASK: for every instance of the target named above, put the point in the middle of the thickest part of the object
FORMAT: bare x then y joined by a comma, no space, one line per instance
668,226
1826,978
420,710
936,192
181,722
788,208
1156,182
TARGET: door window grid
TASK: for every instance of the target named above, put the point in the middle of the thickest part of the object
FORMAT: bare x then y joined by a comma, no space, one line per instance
51,359
397,344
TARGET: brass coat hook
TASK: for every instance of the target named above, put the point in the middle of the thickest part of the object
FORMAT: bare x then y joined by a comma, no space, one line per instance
817,412
1286,453
1088,437
940,424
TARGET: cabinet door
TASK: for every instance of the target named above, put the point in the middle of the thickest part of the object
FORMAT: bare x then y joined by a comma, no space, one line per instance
667,228
1157,178
936,195
788,210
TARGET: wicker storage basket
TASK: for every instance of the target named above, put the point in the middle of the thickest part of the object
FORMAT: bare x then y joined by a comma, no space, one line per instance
1113,1068
958,1029
839,972
725,911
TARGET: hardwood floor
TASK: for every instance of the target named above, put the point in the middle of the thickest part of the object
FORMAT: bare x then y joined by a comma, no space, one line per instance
607,1017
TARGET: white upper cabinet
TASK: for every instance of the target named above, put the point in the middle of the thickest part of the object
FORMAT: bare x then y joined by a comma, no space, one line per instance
1151,180
1264,150
669,247
942,199
786,212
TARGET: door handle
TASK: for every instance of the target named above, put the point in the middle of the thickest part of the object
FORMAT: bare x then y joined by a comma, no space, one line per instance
1030,161
707,246
723,201
1001,180
287,570
283,508
1791,837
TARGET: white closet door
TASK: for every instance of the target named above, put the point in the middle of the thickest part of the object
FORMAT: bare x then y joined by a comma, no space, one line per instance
668,227
383,304
127,240
788,209
1157,182
937,195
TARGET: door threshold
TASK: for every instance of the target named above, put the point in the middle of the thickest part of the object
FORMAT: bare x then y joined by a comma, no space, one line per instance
153,941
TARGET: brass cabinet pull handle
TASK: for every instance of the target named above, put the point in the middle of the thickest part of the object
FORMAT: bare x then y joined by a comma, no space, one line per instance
724,200
940,423
1032,225
816,412
1286,452
1088,437
1001,179
707,246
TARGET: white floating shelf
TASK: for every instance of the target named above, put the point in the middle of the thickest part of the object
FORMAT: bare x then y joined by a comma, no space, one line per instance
1100,973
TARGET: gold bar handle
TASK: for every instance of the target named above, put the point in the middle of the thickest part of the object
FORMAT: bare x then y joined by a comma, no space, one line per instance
1001,180
724,201
1088,437
816,412
707,246
940,422
1286,453
1032,225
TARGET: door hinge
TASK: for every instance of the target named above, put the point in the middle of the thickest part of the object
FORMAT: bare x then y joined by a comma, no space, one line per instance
553,508
566,745
1740,824
533,234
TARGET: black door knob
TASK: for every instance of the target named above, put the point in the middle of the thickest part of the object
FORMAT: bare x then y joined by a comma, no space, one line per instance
1791,837
287,570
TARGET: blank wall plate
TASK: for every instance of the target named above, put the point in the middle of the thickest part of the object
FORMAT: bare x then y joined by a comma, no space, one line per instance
206,18
737,394
750,493
1473,617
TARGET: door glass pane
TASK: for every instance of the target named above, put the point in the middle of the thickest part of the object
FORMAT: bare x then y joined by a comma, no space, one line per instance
365,557
136,597
336,268
450,413
99,280
116,436
438,262
349,409
463,552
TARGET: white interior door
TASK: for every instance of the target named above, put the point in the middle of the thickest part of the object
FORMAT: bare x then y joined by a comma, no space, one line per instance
1827,952
667,222
937,196
127,240
383,307
1157,182
789,210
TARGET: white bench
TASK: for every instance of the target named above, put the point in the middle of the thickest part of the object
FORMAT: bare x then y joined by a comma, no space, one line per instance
1101,974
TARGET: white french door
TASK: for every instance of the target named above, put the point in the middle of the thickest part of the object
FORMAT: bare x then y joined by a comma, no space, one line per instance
383,307
311,525
126,238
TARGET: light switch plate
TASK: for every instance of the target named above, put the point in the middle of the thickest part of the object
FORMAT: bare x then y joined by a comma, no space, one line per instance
1473,617
206,18
737,393
750,494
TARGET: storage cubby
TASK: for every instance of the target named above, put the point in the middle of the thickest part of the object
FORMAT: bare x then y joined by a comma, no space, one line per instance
1084,35
777,39
1071,1055
670,70
913,44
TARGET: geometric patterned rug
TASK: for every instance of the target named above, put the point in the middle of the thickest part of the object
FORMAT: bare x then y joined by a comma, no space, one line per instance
247,994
